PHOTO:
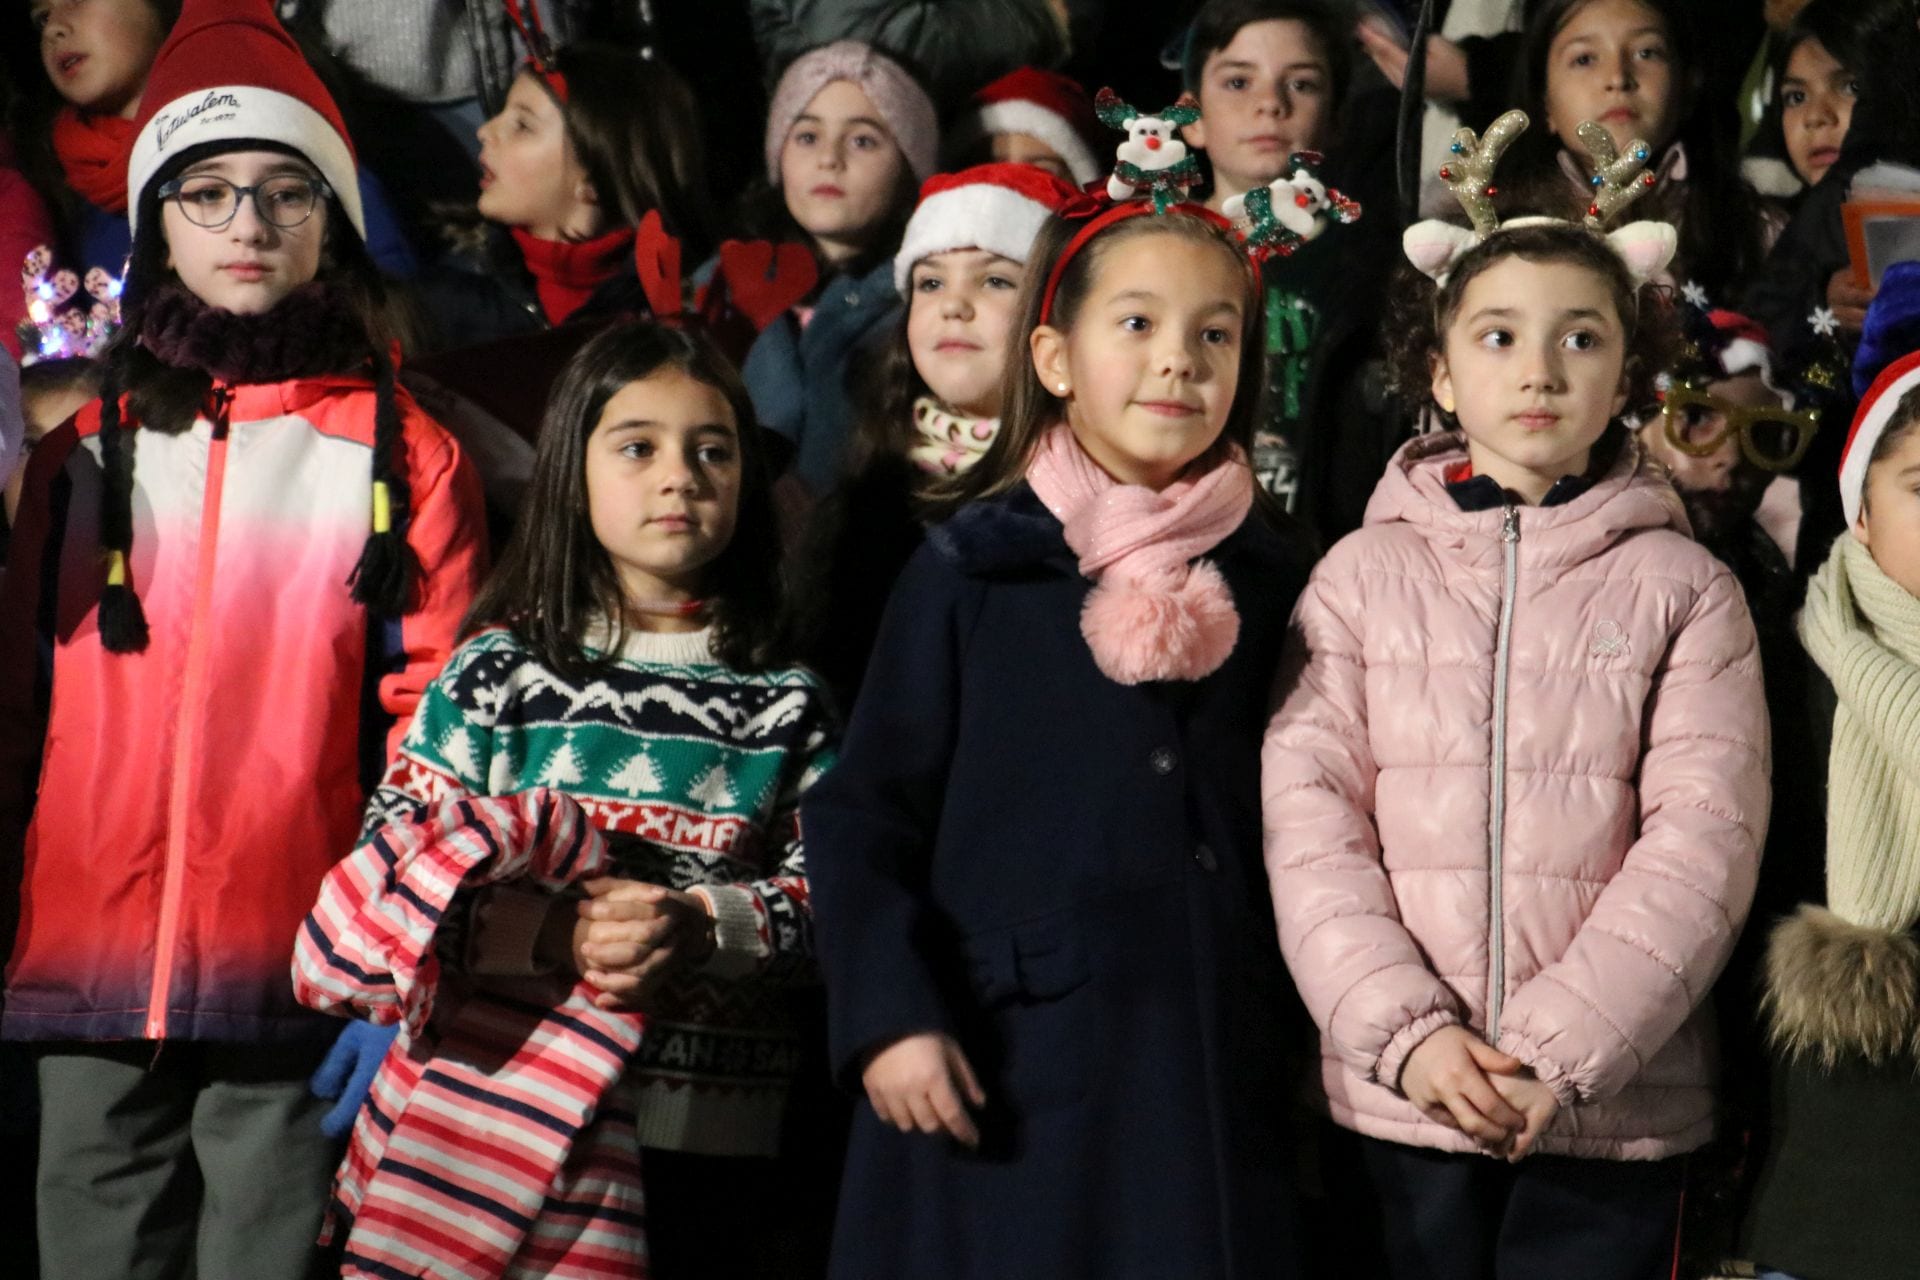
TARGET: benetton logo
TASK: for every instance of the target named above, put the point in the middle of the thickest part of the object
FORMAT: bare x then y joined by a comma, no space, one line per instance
171,121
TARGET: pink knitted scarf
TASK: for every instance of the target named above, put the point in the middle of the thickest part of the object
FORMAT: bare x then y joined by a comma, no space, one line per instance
1155,613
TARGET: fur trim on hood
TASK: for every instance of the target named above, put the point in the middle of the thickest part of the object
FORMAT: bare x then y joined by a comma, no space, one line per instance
1837,989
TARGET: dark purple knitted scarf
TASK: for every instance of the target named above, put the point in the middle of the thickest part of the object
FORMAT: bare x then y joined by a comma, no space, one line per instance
312,331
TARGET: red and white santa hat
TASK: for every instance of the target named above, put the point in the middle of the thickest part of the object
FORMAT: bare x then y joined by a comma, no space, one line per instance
1044,105
996,207
229,72
1870,422
1741,346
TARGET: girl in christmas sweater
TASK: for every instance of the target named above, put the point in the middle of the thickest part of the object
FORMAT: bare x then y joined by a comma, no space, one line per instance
628,659
231,577
1049,955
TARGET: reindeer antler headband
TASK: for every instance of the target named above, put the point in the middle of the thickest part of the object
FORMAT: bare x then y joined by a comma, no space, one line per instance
1434,246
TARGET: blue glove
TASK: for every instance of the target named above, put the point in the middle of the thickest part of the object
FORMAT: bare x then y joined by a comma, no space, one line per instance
348,1071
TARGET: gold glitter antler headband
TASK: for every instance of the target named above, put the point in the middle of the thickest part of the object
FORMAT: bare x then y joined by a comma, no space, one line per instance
1619,180
1470,172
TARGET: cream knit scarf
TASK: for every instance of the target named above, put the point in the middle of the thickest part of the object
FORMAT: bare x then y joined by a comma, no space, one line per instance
1863,630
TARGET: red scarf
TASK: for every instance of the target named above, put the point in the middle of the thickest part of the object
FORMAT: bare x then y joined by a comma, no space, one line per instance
566,272
93,150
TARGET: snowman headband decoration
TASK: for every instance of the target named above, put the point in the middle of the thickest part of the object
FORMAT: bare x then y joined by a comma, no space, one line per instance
1434,246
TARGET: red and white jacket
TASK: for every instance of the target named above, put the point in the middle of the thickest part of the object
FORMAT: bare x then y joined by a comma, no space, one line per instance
191,796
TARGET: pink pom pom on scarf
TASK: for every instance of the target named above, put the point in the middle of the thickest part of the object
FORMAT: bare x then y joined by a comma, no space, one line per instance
1154,613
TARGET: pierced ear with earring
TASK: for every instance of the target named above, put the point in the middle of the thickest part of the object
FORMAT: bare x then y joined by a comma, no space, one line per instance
1063,388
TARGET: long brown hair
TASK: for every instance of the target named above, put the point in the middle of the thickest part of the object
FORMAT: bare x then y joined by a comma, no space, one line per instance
555,581
1028,407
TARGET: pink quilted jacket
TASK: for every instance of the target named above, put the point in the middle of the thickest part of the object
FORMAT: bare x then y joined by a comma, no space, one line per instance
1518,780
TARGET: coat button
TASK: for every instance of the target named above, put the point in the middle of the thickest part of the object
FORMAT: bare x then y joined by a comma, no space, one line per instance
1163,760
852,299
1204,855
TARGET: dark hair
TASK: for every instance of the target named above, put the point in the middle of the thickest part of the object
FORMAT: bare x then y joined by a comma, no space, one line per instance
1718,217
1905,419
1886,115
634,126
1219,21
884,383
168,398
68,373
555,580
1028,407
1419,312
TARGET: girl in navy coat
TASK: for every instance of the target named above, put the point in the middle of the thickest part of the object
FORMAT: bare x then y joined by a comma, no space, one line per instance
1040,910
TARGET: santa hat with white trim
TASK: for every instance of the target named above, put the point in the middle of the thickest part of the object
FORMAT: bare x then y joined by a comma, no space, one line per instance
1876,413
1044,105
230,73
996,207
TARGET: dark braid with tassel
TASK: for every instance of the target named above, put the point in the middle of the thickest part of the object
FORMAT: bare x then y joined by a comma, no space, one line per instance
383,579
123,623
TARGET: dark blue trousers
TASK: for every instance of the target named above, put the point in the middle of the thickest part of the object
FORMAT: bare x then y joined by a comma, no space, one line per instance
1467,1217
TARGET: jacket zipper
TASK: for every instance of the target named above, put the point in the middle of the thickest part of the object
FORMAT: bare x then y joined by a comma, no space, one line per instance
1497,811
186,741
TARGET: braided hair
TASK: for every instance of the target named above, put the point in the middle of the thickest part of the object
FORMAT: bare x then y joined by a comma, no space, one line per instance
169,397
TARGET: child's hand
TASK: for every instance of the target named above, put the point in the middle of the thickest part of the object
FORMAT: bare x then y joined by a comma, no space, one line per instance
1532,1099
918,1083
631,935
1848,301
1446,1077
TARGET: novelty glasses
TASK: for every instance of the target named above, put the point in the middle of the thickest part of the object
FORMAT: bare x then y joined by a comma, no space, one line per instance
1772,438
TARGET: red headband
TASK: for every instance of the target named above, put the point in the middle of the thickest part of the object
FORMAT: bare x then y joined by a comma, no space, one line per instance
1096,224
525,16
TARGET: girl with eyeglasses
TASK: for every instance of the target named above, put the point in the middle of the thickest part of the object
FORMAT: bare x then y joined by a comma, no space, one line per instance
232,576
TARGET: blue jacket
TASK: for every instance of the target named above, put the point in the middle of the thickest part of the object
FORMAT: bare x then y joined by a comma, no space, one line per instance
105,239
798,377
1065,874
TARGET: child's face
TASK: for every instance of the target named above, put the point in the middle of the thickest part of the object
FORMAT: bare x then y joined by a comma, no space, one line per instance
1263,97
1889,520
250,264
1613,62
1816,106
529,175
663,475
1723,487
43,411
959,314
97,52
840,169
1152,362
1024,148
1534,369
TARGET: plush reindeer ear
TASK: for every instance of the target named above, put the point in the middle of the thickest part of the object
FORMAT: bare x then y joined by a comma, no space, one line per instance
1434,246
1646,247
1113,113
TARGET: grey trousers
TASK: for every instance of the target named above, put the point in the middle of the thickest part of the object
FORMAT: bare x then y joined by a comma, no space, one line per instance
205,1161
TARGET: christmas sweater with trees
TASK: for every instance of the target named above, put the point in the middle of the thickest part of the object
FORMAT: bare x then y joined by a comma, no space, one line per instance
694,770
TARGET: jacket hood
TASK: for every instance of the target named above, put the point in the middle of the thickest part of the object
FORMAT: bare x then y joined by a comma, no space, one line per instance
1633,495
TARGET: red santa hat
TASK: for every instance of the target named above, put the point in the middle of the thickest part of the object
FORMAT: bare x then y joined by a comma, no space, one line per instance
229,72
996,207
1741,346
1870,422
1043,105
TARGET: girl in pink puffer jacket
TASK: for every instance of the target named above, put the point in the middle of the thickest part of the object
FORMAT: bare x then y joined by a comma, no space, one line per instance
1516,786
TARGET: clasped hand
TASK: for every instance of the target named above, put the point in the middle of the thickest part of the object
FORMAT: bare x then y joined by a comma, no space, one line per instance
626,937
1460,1080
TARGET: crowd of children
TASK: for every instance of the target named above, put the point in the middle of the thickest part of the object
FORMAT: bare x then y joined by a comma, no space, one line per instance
1043,683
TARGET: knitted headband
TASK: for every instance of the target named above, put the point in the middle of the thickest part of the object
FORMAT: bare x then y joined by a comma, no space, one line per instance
904,106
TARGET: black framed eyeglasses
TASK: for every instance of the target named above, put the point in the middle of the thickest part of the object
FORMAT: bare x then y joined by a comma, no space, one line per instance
285,200
1772,439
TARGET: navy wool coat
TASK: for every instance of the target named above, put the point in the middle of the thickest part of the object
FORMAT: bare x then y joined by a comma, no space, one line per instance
1064,873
